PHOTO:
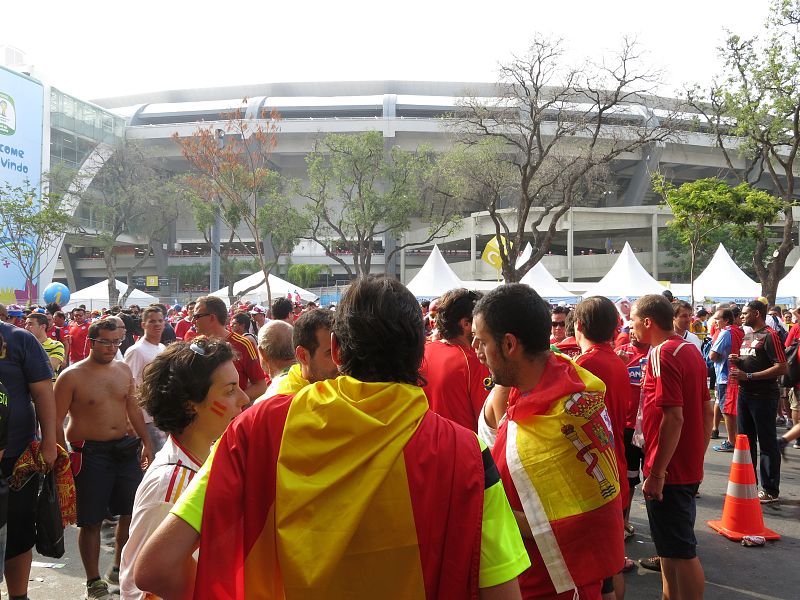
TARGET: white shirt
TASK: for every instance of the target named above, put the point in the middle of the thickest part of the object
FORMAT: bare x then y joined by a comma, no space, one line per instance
137,358
690,337
172,470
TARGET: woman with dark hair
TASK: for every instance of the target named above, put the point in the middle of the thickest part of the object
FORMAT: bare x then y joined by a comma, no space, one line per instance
192,390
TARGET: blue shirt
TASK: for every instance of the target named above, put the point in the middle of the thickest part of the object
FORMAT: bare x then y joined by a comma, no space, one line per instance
722,346
22,361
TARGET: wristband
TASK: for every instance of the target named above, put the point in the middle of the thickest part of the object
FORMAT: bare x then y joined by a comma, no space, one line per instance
654,476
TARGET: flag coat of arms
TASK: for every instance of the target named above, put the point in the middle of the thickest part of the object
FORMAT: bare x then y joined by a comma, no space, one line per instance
555,454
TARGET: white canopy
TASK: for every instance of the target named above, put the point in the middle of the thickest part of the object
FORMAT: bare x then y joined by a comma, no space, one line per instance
626,279
96,296
278,288
723,281
540,279
434,278
789,286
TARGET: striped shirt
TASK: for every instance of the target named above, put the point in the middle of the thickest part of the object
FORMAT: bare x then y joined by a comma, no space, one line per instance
166,479
55,350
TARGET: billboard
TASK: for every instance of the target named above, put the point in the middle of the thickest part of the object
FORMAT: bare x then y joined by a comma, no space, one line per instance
21,122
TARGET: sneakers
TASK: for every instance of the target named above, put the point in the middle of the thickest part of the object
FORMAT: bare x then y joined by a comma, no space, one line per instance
628,532
796,444
715,434
112,575
782,443
98,590
766,498
651,564
725,446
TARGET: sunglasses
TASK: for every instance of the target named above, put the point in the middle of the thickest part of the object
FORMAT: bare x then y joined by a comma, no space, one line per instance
558,323
199,316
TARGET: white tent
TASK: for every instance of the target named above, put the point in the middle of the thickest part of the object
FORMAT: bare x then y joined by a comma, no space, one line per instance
434,278
723,281
540,279
278,288
96,296
626,279
789,286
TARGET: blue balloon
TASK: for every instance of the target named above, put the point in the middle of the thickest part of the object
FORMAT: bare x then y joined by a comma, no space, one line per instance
56,292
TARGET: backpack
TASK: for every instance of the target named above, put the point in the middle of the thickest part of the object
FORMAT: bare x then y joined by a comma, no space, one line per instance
792,377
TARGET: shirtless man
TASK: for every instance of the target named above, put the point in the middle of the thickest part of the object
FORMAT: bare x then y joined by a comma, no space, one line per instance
98,394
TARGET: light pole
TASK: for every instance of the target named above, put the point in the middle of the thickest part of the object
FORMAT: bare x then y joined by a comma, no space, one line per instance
215,232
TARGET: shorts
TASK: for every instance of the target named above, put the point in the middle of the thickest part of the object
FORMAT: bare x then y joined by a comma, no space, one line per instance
634,457
794,399
720,393
672,521
21,525
608,586
106,477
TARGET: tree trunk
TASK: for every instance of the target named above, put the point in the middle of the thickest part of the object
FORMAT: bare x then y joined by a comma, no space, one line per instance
111,271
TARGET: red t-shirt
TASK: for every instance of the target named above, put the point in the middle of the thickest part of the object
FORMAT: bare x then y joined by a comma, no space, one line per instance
456,389
632,356
676,376
78,348
182,326
601,362
569,346
246,361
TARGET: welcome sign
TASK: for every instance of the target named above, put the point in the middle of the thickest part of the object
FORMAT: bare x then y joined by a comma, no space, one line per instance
21,122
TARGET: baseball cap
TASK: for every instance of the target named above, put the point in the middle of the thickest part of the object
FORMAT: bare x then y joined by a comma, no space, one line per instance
15,310
258,310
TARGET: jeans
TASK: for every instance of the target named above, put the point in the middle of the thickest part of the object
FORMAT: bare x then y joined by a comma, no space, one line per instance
756,420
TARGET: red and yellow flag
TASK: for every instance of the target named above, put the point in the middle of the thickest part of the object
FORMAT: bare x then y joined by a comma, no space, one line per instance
557,451
345,490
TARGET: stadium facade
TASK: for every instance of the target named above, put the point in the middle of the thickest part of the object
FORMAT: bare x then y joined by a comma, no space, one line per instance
408,114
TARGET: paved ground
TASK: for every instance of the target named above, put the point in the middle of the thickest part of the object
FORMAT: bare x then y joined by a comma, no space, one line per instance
733,572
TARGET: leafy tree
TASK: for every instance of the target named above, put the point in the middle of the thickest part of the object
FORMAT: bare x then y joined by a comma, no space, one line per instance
189,276
130,195
545,141
753,111
704,207
358,192
305,276
232,175
30,225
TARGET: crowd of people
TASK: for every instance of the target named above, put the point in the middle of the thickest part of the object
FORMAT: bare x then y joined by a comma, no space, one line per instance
471,446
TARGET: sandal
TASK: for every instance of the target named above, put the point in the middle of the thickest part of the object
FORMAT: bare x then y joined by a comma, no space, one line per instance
629,531
651,564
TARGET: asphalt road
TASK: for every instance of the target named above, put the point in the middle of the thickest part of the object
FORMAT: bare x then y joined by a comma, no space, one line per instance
732,571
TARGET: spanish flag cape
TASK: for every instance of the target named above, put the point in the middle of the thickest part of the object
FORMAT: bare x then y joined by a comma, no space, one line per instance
345,490
556,458
293,382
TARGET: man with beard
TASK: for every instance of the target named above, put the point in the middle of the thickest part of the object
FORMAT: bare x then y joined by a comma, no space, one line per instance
556,425
98,394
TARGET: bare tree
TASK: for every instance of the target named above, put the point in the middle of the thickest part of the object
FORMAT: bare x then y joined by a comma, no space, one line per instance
545,142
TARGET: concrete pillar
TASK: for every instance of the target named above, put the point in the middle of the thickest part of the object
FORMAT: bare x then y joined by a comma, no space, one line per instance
654,248
69,268
402,260
571,245
473,250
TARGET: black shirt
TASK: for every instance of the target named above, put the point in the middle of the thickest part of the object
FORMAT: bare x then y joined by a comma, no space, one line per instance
760,350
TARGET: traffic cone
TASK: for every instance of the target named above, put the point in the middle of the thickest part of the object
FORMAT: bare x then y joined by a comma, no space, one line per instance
741,514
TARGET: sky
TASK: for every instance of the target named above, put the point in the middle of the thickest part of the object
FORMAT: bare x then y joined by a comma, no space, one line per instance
94,49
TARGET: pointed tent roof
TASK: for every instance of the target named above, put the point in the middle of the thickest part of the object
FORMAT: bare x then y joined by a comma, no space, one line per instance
96,295
278,287
626,279
789,286
723,281
540,279
434,278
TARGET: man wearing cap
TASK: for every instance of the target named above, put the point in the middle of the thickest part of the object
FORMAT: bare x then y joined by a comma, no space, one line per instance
16,316
259,316
184,324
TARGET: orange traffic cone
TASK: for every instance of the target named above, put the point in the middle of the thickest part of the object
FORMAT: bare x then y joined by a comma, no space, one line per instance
741,514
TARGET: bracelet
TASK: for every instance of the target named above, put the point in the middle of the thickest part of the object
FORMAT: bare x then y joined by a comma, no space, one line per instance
664,476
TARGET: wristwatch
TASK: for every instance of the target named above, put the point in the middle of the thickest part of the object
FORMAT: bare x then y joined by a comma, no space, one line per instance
749,377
